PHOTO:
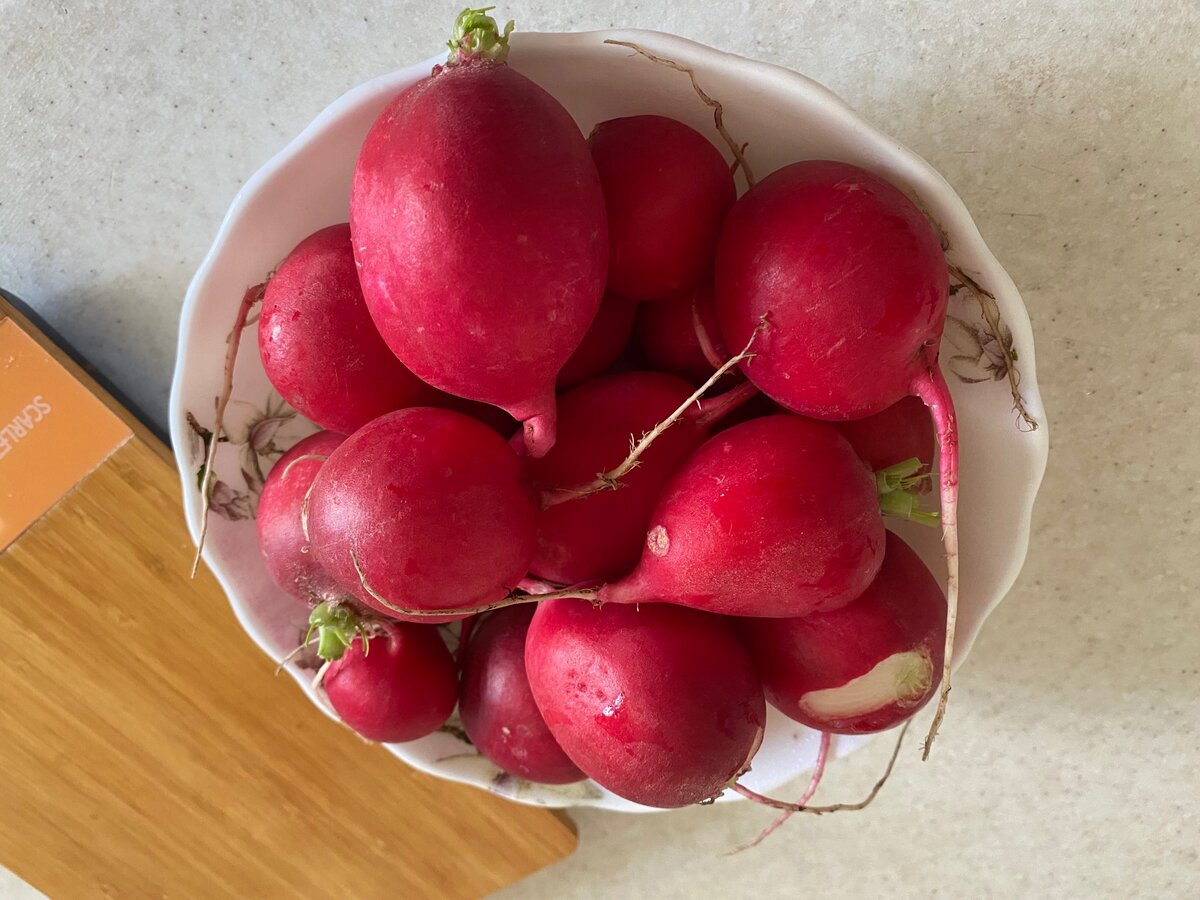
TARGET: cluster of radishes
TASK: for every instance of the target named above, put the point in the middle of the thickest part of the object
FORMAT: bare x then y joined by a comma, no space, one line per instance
673,535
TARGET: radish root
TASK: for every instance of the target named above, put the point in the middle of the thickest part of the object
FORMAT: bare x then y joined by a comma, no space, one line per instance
288,467
509,600
252,297
738,150
935,393
611,480
832,808
813,782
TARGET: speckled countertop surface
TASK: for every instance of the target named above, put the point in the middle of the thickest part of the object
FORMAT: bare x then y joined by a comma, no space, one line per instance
1069,765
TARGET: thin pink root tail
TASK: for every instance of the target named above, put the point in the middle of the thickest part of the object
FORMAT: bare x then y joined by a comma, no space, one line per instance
813,782
787,806
931,387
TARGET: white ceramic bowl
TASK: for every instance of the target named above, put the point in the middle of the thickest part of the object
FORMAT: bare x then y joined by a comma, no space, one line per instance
784,117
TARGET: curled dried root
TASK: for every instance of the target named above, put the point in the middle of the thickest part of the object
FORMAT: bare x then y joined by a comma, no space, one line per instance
737,149
832,808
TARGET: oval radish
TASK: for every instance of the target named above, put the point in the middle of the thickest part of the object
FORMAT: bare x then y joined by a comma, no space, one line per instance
318,345
403,686
660,705
497,707
285,549
773,517
865,667
479,230
853,282
666,190
603,343
426,508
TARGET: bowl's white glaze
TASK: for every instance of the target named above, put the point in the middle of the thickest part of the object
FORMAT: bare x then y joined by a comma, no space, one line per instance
784,117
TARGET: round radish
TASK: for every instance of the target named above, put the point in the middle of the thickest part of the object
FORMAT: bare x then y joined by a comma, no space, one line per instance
851,278
401,687
899,433
497,708
661,705
603,343
318,345
667,190
682,337
479,230
862,668
600,536
773,517
423,508
286,553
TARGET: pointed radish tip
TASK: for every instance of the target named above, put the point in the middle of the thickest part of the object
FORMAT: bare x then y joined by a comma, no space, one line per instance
539,434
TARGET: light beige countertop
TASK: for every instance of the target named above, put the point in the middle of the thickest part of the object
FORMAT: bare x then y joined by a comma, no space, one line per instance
1069,765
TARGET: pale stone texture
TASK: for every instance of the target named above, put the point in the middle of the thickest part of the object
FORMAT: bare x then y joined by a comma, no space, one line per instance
1068,766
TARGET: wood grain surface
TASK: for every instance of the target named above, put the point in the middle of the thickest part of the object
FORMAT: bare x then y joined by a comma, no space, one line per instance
147,751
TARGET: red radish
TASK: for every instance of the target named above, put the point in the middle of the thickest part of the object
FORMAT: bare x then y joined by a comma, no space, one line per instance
852,280
423,508
479,230
497,708
774,517
601,536
661,705
682,337
667,190
401,687
865,667
288,558
603,343
901,432
318,345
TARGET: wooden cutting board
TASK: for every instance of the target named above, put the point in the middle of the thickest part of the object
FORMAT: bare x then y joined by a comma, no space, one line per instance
146,749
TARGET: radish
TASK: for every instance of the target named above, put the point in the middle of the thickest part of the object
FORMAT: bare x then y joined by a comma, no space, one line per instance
660,705
400,685
603,343
666,190
852,279
318,345
285,549
865,667
497,708
423,507
682,337
899,433
601,536
479,230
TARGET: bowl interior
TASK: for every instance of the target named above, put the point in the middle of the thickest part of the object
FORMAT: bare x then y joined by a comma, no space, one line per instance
783,117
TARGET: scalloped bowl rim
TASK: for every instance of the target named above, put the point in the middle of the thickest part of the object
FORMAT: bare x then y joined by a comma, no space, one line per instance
701,57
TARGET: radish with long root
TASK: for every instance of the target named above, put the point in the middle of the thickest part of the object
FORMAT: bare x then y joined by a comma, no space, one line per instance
660,705
852,277
479,229
666,191
318,345
281,521
496,704
865,667
423,507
